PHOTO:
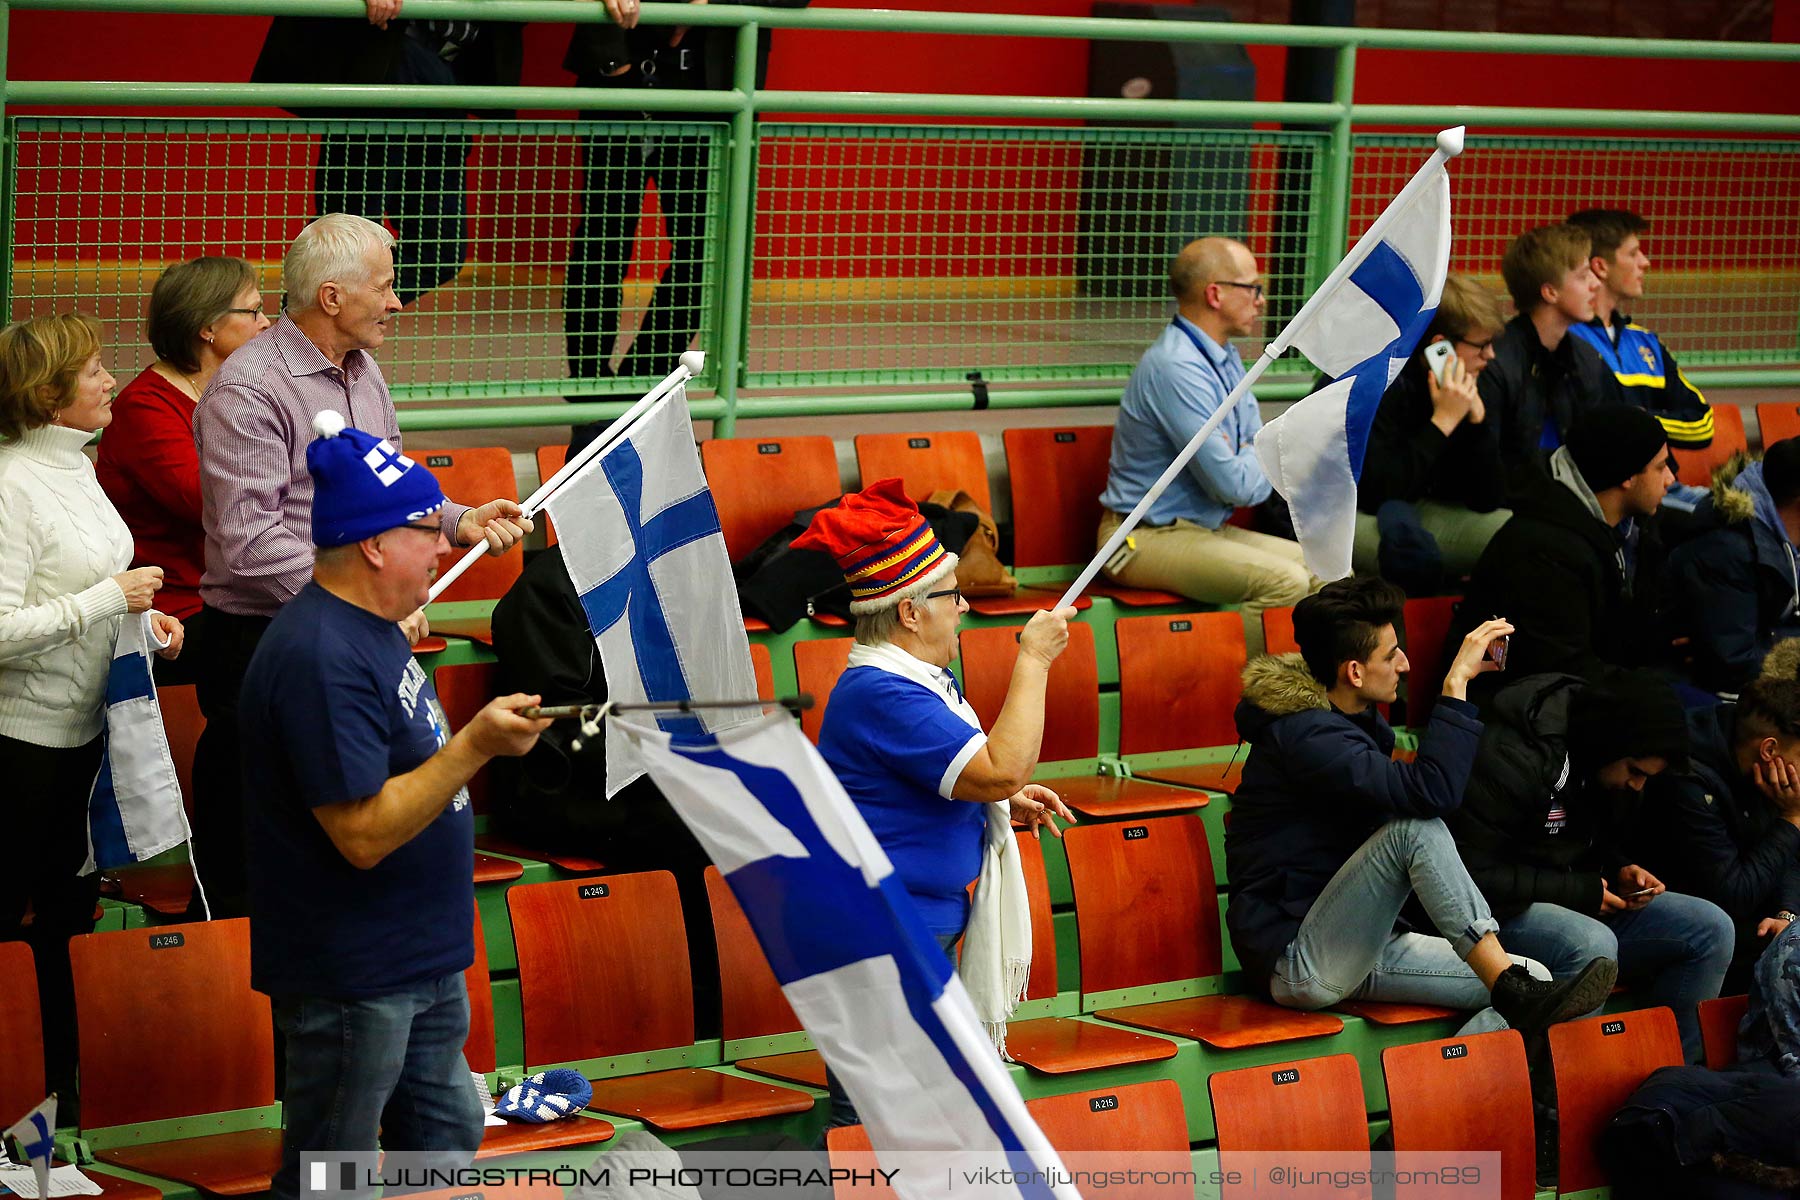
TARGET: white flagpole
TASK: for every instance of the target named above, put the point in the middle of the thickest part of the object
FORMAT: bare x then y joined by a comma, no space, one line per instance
1449,145
691,363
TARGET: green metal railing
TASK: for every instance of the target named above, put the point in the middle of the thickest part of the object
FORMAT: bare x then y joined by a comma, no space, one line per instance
836,266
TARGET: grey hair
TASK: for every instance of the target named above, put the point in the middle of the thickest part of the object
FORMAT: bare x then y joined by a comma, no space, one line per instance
881,624
330,250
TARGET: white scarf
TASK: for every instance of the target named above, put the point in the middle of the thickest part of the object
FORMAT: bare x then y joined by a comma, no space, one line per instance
996,948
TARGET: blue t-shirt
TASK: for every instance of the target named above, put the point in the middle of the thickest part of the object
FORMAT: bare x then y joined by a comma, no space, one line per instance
892,743
334,705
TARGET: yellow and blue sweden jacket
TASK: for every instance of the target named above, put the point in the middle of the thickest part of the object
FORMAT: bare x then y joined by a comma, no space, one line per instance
1649,374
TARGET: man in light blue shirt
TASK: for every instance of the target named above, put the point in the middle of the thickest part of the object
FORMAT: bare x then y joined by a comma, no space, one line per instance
1184,543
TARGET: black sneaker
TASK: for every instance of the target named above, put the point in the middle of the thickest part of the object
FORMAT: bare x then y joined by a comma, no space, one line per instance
1529,1004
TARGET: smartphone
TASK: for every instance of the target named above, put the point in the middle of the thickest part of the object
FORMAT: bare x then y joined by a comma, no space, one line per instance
1644,892
1496,651
1437,357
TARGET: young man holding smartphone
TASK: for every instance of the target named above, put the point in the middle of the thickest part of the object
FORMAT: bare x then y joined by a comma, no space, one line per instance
1548,823
1430,492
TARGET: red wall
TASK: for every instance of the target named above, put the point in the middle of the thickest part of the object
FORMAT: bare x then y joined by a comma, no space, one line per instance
157,47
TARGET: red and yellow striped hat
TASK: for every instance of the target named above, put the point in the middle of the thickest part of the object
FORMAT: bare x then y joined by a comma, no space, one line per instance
882,544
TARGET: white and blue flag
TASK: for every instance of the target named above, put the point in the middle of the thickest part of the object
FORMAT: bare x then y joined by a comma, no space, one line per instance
35,1134
1361,334
134,809
640,537
854,958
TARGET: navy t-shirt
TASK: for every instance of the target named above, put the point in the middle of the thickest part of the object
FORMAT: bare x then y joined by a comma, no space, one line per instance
898,750
334,704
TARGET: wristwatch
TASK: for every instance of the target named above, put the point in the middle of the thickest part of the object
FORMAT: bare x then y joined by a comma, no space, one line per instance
1785,915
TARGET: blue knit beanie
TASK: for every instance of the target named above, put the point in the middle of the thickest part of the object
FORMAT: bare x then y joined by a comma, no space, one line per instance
362,486
547,1096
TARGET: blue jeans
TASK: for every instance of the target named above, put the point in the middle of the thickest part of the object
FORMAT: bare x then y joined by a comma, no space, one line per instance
1347,948
392,1064
1676,948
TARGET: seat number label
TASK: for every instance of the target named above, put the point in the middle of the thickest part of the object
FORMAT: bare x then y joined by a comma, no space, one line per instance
918,443
1135,833
1609,1028
1180,626
1064,436
439,460
1456,1050
768,447
1291,1075
166,941
594,891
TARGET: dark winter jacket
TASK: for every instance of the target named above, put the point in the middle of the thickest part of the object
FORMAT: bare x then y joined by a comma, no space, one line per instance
1532,827
1734,591
1533,395
1711,833
1316,784
1411,459
1558,572
1710,1135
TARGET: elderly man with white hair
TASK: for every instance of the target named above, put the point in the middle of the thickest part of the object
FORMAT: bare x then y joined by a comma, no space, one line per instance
936,790
252,427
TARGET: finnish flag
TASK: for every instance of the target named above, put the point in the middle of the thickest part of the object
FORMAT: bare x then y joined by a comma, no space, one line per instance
641,540
1361,334
854,958
134,808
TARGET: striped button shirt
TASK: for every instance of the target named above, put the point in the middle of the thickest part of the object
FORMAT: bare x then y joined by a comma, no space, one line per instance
252,428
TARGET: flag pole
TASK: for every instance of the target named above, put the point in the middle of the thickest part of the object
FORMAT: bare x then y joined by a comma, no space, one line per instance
1449,145
691,363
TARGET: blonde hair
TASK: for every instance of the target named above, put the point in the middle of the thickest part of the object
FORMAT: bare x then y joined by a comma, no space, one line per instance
40,363
330,250
1466,307
1542,256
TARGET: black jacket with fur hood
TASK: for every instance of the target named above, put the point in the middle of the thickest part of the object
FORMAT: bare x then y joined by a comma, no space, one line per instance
1316,784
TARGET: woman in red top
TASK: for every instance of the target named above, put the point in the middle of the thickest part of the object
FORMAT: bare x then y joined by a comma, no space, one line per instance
200,312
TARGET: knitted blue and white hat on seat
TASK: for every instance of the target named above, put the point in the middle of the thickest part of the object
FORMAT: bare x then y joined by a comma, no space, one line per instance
362,486
546,1096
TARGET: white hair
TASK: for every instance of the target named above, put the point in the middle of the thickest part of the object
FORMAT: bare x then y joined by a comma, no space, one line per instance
330,250
877,621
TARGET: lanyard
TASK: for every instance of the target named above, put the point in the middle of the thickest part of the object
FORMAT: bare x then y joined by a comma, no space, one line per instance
1201,347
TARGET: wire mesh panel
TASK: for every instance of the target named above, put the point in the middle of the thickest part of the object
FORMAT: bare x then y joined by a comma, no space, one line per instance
914,254
528,252
1723,286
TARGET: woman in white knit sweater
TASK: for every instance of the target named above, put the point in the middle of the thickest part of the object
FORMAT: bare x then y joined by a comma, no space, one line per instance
63,590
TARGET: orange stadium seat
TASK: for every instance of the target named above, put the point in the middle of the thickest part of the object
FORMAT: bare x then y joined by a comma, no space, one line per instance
464,689
22,1058
1278,631
1056,477
513,1137
550,460
1719,1021
751,1004
758,484
576,940
1599,1062
1147,912
929,462
1071,721
170,1028
475,476
817,665
1776,421
1695,467
1314,1105
1179,679
1460,1094
1105,1129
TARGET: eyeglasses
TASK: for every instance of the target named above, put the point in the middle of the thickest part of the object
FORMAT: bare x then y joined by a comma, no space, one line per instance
431,529
955,591
1255,288
1477,347
257,311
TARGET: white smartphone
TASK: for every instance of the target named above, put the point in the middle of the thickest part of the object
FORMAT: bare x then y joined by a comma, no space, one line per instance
1437,357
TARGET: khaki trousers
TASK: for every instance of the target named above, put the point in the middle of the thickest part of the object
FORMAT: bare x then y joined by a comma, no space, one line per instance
1227,565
